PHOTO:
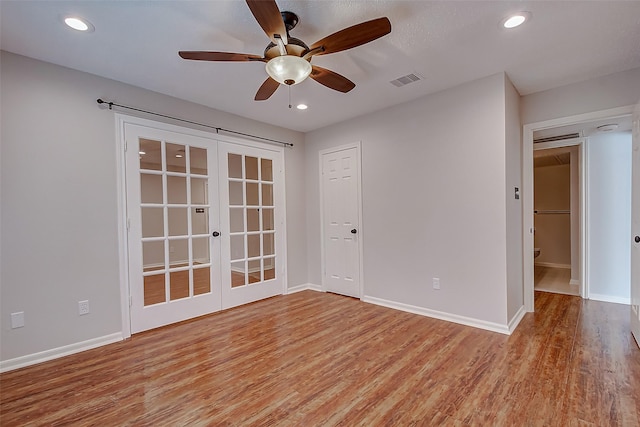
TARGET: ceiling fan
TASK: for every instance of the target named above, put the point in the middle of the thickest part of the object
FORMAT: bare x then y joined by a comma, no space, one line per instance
288,59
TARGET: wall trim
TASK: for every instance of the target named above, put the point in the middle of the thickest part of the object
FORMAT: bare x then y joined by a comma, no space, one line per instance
574,282
610,298
462,320
55,353
552,265
515,320
305,287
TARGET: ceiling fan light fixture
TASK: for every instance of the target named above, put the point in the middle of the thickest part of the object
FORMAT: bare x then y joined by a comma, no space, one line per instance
288,69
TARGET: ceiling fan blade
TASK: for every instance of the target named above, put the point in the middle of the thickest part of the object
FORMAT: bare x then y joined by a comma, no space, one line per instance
267,89
268,16
219,56
331,80
352,36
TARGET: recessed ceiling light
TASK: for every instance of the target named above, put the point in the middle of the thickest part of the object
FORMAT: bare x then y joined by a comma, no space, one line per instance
302,106
516,20
79,24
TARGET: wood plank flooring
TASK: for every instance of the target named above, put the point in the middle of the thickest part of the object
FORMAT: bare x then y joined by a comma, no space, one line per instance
315,359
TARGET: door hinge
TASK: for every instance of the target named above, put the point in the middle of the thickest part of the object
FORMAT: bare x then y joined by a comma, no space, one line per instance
125,145
130,300
128,224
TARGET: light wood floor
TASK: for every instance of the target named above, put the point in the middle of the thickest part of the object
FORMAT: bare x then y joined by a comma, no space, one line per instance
314,359
552,279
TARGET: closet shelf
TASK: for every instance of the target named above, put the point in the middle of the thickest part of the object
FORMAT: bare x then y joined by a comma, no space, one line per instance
551,211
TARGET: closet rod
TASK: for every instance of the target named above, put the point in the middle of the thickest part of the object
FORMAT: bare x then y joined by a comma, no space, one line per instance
551,212
218,129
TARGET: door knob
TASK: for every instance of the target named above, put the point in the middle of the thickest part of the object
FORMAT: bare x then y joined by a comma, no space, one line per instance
215,234
354,231
637,239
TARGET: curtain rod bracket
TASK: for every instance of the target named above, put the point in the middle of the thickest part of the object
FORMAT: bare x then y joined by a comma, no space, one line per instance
111,104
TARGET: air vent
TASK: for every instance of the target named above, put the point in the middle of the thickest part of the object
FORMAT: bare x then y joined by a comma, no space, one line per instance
557,138
405,80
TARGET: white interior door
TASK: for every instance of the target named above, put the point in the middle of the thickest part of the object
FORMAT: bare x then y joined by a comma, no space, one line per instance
635,227
252,223
174,262
340,221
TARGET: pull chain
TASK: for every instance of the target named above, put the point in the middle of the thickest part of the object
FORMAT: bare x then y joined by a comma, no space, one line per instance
289,96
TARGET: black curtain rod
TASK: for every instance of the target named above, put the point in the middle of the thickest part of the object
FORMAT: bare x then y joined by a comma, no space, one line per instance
218,129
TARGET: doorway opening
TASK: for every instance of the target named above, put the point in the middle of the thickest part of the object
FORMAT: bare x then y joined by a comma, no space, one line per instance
558,178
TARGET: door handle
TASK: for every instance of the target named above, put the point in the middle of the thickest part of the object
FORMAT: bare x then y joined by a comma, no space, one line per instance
637,239
354,231
215,233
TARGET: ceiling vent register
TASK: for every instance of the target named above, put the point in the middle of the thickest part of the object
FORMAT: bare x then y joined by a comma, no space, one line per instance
557,138
405,80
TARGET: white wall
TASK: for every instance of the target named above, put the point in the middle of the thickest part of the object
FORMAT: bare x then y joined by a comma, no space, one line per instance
615,90
609,216
513,165
434,200
59,200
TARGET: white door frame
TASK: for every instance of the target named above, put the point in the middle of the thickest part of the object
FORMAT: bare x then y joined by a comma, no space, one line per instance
123,254
358,146
527,187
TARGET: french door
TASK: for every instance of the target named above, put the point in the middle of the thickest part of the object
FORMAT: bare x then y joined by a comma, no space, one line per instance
204,220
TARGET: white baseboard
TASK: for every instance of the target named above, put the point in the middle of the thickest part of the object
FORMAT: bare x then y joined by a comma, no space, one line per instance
574,282
305,287
610,298
515,321
462,320
552,265
55,353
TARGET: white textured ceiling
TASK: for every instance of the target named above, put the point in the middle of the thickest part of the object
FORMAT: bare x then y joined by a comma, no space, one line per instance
446,42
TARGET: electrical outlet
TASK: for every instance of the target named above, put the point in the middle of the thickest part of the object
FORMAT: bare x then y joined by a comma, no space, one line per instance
83,307
17,320
436,283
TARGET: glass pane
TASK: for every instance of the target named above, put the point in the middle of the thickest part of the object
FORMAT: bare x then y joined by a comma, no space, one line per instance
153,255
253,243
176,190
267,194
267,219
177,219
199,194
237,247
235,165
154,292
236,220
178,253
150,154
252,194
253,219
150,188
176,161
268,244
201,281
152,222
251,167
237,274
199,220
198,160
200,250
269,268
235,193
267,169
178,284
254,271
